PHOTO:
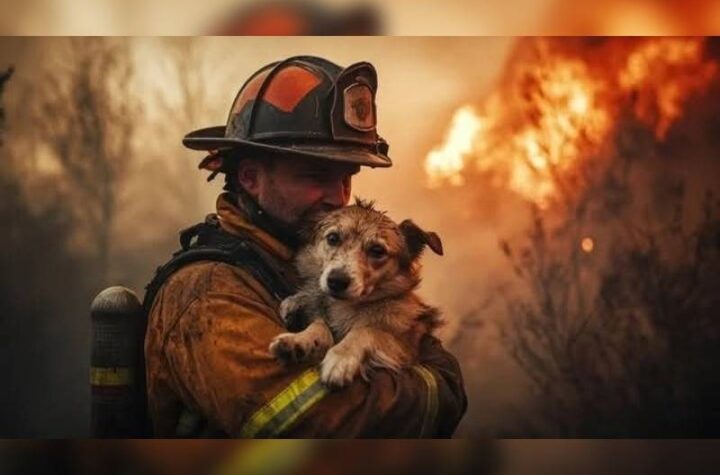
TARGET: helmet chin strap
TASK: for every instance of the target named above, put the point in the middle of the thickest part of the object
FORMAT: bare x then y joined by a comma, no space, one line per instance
262,219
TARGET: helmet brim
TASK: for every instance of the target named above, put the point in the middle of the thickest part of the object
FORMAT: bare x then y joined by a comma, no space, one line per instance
213,138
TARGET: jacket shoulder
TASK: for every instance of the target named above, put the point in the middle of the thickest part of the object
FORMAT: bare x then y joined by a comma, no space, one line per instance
201,278
194,286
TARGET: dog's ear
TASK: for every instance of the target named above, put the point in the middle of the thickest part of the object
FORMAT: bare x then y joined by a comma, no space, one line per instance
417,239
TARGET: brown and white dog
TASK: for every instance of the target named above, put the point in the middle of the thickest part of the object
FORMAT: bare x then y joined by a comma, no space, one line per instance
359,271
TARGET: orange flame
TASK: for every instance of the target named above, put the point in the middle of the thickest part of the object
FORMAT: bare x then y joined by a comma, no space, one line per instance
663,73
446,162
553,113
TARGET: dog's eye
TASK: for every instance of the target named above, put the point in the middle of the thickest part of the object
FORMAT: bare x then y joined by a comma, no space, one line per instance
333,239
376,251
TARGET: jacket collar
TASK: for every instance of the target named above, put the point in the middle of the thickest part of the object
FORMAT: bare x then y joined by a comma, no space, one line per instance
241,216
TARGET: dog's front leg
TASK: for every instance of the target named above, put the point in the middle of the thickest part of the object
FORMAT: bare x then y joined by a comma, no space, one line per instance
344,360
310,344
361,349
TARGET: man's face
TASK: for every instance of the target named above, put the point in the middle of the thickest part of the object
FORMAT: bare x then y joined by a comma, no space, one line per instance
292,189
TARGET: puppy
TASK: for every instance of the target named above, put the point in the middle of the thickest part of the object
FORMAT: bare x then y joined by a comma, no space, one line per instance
359,271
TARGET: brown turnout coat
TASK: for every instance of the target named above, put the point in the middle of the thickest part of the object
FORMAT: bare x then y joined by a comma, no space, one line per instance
207,354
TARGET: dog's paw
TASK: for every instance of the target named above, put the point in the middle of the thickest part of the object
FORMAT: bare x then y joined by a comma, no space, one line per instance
298,347
288,348
339,367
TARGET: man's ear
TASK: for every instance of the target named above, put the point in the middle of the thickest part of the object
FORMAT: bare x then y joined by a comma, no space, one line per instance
417,239
248,175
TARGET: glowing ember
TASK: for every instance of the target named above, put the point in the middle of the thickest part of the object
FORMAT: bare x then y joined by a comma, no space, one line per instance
587,245
554,111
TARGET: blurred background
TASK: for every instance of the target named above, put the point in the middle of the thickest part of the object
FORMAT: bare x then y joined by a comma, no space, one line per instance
360,17
290,457
573,182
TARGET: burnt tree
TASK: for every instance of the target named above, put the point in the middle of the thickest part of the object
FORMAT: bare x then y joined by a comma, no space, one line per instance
86,117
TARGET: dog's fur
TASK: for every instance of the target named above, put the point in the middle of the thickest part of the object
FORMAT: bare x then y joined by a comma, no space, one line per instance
376,319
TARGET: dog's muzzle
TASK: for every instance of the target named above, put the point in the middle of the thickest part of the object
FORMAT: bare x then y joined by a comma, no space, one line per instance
338,282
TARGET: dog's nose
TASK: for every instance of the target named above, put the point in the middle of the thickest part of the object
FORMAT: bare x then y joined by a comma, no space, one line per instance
338,281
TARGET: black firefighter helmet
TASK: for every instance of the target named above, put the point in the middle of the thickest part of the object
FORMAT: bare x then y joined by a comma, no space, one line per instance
304,107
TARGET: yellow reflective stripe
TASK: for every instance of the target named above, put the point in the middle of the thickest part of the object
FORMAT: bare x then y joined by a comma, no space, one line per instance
110,376
261,457
285,422
431,407
284,409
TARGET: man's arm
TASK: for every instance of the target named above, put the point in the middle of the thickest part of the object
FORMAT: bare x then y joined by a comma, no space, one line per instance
217,352
426,400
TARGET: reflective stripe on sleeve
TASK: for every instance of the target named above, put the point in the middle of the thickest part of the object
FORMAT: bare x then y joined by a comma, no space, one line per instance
431,406
285,408
110,376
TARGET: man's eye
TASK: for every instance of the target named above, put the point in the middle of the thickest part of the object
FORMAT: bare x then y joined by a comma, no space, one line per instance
333,239
376,251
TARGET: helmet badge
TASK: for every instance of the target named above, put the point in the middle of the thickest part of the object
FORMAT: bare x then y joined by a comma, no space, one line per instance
359,107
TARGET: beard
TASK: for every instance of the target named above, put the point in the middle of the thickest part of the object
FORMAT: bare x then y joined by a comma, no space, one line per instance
288,217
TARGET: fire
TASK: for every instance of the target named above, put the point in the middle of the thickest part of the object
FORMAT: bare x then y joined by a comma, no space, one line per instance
663,73
587,245
555,110
529,139
447,162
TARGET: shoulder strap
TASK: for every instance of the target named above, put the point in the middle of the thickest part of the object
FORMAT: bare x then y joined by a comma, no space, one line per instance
206,241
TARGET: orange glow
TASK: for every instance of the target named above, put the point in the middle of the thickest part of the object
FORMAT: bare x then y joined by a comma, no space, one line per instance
554,110
587,245
643,18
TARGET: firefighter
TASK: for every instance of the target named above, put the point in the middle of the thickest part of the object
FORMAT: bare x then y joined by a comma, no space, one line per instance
297,132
